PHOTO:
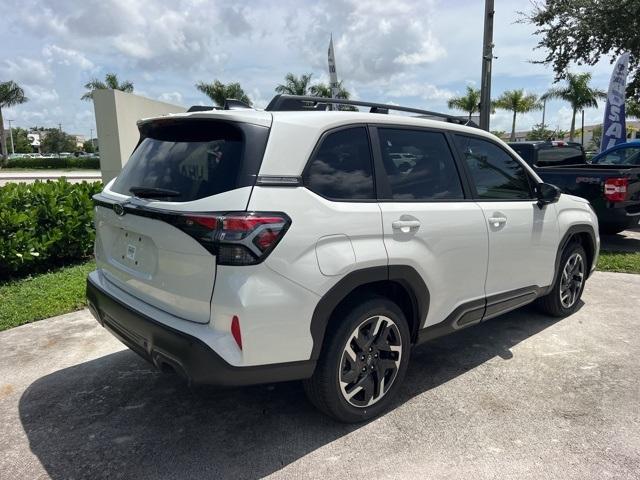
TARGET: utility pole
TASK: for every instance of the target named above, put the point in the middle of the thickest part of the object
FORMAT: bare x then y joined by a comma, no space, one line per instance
582,131
487,58
13,152
544,110
60,126
91,138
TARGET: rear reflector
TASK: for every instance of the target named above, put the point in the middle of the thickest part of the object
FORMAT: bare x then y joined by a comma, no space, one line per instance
615,189
235,331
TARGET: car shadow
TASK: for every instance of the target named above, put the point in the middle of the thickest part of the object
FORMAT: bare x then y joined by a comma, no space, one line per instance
117,417
624,242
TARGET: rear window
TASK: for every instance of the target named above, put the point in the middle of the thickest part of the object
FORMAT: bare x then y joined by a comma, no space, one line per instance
560,155
193,158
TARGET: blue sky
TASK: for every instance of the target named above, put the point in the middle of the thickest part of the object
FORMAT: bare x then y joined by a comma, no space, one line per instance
416,53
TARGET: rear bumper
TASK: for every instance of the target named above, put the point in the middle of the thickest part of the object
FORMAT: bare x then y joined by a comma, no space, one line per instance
190,357
622,217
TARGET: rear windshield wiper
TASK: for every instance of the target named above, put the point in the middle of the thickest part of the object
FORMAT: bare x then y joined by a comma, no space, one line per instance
153,192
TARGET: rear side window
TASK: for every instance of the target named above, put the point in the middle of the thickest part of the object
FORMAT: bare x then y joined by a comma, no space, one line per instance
195,158
622,156
419,165
341,168
495,174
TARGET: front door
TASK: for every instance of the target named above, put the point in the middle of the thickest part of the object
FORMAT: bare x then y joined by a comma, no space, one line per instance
523,237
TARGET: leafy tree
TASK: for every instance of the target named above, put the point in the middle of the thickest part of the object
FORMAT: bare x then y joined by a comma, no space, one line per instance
295,85
57,141
632,108
517,101
11,94
219,92
499,133
88,146
110,83
596,138
578,94
582,31
21,143
469,103
541,131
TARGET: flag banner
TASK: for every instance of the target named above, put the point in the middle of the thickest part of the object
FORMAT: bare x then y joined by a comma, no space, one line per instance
333,76
614,129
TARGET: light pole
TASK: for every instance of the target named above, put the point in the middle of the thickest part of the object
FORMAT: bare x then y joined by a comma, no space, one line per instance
582,131
13,152
487,58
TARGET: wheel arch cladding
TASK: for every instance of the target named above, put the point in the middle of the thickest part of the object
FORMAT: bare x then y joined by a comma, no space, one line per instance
583,234
399,283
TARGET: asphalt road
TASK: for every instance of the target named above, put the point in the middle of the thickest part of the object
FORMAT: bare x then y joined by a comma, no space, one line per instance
520,397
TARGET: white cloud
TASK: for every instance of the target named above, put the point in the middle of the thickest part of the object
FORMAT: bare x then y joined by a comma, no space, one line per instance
26,71
171,97
67,56
425,91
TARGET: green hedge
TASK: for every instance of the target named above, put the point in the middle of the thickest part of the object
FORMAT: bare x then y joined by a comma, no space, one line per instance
45,224
54,162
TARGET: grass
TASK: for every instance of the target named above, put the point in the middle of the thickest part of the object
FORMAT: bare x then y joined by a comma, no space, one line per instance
42,296
626,262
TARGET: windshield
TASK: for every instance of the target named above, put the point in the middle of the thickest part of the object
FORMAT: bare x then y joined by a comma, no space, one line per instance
621,156
186,160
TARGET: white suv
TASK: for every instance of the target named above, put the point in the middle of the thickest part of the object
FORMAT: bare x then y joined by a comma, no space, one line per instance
240,246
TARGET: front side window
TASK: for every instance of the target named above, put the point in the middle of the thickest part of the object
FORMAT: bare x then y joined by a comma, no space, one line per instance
495,174
341,168
419,165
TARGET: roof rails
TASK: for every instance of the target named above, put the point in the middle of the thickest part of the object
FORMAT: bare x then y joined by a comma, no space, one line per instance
283,103
229,104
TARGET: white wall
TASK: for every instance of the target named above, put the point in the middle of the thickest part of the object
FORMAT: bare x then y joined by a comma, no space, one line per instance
117,114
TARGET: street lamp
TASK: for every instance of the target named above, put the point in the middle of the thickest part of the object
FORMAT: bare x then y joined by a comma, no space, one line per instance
13,152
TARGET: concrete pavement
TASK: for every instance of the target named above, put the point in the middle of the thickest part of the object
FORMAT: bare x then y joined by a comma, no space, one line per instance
522,396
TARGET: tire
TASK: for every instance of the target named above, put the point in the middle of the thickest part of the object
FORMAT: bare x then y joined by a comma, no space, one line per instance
564,297
372,335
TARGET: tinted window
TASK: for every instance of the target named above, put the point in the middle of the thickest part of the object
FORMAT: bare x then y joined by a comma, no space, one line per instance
622,156
419,165
494,172
194,158
560,155
341,168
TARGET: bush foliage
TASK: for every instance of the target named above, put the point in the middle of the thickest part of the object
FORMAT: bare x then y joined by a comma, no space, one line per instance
54,162
45,224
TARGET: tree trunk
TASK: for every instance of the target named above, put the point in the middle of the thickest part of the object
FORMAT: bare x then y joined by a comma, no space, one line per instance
513,128
470,116
572,132
3,142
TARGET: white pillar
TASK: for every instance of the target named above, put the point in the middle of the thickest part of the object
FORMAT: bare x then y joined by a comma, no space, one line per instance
117,114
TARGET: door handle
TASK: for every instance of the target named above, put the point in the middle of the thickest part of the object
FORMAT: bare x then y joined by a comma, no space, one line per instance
496,221
405,226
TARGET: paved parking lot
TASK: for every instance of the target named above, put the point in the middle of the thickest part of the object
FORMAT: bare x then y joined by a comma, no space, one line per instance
522,396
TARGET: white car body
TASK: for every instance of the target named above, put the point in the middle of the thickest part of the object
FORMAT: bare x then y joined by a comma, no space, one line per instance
473,259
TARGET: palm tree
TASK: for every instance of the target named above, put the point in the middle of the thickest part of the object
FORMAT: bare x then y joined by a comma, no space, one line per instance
10,94
219,92
517,101
295,85
110,83
323,90
578,93
469,103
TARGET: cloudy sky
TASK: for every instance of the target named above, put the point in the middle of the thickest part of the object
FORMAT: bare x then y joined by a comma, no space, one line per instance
417,53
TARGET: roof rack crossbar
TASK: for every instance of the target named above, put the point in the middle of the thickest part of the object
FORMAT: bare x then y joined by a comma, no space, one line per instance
282,103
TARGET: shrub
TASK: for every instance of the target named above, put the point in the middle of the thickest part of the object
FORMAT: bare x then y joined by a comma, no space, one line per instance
45,224
54,162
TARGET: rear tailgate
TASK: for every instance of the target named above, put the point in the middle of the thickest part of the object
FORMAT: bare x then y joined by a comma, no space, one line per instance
145,244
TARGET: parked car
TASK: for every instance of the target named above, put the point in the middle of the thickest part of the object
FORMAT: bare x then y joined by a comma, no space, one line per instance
241,246
626,154
613,190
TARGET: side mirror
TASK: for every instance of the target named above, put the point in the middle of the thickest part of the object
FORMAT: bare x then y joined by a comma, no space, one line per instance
547,194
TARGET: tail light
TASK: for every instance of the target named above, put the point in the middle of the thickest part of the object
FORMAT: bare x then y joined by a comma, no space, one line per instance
236,238
615,189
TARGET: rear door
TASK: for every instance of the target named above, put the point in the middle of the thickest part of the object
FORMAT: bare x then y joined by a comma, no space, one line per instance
523,238
149,242
428,222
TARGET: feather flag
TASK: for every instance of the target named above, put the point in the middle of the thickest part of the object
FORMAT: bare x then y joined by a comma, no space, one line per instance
614,130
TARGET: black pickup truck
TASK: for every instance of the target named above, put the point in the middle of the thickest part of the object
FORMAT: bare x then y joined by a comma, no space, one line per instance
614,191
